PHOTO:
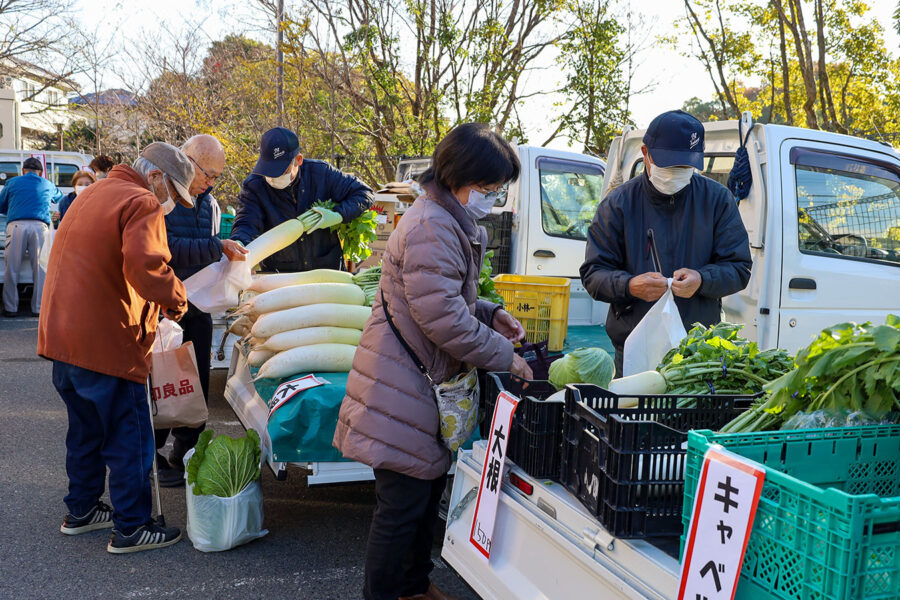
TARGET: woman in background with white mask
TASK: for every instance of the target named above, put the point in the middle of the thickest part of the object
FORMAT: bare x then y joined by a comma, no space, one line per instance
80,181
429,287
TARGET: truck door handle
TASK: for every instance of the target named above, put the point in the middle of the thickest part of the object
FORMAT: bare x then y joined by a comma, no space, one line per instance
802,283
544,254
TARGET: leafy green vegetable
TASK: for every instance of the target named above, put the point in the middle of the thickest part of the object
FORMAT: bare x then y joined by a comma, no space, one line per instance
369,280
849,367
584,365
486,289
356,236
716,360
224,466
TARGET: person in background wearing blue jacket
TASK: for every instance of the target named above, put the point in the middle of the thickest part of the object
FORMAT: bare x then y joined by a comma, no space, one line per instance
26,202
283,186
703,245
194,244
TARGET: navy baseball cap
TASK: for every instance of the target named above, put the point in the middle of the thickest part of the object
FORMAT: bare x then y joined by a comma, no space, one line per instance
675,139
277,148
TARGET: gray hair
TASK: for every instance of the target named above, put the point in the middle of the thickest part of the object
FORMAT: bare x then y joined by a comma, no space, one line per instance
144,167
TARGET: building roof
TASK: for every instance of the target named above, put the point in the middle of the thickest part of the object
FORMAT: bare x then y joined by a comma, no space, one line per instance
22,68
106,97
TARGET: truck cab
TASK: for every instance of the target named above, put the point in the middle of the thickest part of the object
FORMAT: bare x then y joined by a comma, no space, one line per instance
823,216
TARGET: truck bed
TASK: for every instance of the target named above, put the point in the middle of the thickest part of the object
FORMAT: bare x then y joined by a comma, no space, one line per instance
546,546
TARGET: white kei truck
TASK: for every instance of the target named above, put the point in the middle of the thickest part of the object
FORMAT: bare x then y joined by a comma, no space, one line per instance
823,216
546,213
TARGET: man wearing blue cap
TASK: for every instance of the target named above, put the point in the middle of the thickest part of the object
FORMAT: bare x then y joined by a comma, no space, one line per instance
282,186
695,224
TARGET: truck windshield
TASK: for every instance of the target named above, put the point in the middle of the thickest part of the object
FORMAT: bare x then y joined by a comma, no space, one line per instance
570,192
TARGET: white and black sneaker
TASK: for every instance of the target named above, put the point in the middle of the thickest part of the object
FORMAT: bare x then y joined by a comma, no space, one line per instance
146,537
99,517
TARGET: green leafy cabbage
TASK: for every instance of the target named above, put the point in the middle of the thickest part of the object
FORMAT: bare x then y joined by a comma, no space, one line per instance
224,466
584,365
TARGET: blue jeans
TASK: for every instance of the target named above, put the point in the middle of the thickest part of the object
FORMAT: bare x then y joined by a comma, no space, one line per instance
109,426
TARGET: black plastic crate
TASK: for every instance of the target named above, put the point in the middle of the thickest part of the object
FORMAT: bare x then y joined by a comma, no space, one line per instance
499,229
626,465
535,441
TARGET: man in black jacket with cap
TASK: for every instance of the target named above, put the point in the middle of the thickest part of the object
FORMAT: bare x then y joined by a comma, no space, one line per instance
703,245
283,186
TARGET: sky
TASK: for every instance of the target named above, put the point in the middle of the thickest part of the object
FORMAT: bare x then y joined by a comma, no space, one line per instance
673,78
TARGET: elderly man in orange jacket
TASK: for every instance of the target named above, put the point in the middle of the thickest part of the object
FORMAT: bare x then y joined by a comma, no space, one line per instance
107,279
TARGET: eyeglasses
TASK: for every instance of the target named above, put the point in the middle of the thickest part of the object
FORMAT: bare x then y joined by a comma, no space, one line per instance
209,178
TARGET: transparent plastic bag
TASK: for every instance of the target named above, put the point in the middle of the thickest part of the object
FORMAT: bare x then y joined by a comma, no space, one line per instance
658,332
216,524
820,419
169,336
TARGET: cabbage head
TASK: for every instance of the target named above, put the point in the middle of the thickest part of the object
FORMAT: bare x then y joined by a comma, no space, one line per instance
224,466
584,365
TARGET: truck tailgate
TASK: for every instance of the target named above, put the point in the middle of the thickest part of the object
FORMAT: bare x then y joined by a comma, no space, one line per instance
546,546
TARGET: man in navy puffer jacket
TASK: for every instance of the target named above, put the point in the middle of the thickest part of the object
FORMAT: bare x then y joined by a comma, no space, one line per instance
283,186
194,245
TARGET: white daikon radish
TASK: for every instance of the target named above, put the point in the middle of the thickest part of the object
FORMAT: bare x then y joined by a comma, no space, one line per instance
309,359
647,383
241,326
302,295
267,283
313,315
258,358
275,239
312,335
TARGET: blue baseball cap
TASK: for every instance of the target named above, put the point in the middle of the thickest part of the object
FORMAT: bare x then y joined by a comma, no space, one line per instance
277,148
675,139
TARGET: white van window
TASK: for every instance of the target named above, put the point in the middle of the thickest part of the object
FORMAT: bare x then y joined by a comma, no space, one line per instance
847,207
62,174
715,166
8,170
570,192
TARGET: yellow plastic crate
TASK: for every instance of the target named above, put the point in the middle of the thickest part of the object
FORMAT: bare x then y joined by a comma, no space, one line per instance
540,303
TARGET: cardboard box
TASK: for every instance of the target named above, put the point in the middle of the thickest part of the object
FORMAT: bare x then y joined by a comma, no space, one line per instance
386,207
377,255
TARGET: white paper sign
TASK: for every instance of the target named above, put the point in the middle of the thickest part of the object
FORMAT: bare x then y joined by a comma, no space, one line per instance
289,389
482,534
724,508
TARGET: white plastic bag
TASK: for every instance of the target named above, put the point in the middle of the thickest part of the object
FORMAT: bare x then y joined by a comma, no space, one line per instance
44,256
215,524
215,289
169,335
658,332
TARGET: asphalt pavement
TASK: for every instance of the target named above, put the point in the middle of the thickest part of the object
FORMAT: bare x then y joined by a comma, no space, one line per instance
314,549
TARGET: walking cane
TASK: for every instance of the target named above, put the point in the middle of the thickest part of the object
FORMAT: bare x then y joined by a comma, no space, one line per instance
159,514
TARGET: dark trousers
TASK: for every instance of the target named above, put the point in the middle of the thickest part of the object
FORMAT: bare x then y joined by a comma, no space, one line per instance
619,359
198,329
398,552
109,426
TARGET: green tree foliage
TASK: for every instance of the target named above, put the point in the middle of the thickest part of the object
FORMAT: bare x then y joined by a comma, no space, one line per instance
822,64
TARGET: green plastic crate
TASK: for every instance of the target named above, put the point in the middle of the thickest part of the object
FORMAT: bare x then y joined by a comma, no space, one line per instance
225,226
828,522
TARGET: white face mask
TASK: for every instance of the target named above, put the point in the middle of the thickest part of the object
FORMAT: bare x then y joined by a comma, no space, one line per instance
79,189
670,180
282,181
479,204
168,206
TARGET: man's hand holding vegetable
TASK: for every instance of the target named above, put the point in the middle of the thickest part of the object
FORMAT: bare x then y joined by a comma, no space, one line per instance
328,219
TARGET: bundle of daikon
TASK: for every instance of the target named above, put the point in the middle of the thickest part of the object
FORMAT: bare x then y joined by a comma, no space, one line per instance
304,322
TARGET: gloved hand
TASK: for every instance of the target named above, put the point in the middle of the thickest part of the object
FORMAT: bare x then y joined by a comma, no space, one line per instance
328,219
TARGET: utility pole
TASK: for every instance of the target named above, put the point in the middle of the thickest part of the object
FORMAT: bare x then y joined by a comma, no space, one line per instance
279,60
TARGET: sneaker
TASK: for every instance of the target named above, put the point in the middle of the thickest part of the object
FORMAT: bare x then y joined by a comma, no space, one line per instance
10,314
170,478
146,537
99,517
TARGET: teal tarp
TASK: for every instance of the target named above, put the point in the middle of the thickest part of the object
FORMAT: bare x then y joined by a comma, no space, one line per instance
301,430
588,336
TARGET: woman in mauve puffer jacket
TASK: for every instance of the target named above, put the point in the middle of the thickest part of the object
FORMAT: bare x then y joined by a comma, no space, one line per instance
429,281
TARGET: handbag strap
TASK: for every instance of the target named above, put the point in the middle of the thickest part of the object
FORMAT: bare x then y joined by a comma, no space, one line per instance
403,343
